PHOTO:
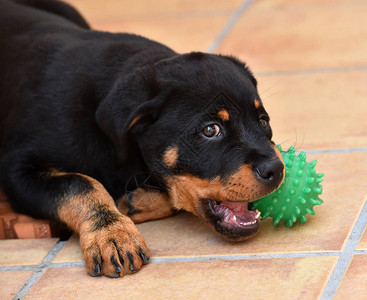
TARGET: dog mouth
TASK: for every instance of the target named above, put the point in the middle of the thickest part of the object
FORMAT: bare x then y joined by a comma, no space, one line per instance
234,220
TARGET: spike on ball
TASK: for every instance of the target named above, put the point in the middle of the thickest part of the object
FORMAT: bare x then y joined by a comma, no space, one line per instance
298,194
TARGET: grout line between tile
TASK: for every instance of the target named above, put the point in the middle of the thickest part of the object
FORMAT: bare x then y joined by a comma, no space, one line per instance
19,268
246,256
229,25
312,71
346,256
155,260
68,264
242,257
359,252
40,270
337,150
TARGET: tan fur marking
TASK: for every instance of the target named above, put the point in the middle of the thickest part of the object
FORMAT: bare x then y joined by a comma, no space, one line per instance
150,205
187,190
170,156
102,244
257,103
54,173
224,115
133,122
75,210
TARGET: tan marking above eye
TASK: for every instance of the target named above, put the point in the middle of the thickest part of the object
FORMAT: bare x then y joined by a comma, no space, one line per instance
223,114
133,122
257,103
170,156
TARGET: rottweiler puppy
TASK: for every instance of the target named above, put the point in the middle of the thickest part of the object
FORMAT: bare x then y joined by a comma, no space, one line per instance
95,125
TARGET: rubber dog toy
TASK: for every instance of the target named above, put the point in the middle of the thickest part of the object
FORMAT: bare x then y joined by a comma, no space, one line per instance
297,195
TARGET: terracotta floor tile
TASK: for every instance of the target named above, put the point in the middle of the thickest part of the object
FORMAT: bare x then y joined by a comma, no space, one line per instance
11,282
273,4
186,235
362,245
300,36
24,252
123,10
313,111
70,252
182,25
354,283
255,279
180,34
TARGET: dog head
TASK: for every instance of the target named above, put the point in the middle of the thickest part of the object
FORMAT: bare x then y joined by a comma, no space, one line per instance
202,130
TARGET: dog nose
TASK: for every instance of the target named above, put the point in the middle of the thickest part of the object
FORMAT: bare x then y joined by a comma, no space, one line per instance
270,172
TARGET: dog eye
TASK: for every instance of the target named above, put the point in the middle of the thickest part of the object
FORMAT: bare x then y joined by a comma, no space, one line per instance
263,122
212,130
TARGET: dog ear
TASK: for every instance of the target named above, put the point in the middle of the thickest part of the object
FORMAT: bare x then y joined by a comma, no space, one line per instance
133,103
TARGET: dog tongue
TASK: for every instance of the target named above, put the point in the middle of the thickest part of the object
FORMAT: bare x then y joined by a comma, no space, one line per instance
237,208
236,214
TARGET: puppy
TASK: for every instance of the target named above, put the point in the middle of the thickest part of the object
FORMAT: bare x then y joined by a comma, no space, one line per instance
88,118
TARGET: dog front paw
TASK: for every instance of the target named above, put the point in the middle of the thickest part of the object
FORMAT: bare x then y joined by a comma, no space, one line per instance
114,249
145,205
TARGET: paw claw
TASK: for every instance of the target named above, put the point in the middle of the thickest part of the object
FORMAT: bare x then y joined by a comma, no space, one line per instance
97,268
143,256
132,211
114,251
131,260
129,199
116,264
115,275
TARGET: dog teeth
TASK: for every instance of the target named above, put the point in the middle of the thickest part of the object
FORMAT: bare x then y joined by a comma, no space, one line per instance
248,223
234,218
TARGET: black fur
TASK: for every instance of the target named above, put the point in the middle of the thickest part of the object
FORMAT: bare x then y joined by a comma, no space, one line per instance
68,97
101,217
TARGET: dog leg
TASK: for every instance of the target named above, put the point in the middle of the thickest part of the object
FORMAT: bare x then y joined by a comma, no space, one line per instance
146,205
110,242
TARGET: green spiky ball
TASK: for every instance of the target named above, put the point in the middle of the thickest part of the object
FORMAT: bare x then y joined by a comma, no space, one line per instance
298,194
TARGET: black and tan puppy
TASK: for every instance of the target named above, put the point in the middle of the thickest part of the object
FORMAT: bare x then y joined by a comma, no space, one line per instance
88,118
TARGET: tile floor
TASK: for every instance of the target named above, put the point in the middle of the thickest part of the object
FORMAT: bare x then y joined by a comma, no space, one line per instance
310,60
